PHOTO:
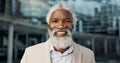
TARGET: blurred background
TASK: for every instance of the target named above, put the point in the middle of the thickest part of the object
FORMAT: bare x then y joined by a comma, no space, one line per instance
22,24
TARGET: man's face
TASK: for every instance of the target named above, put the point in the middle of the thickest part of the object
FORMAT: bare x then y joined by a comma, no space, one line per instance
61,19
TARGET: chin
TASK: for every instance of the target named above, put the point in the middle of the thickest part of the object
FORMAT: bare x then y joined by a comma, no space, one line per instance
60,42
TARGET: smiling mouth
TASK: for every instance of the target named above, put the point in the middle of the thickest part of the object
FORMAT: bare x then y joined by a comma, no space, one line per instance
60,33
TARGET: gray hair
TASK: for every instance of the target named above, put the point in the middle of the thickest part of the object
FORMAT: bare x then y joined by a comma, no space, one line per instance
61,6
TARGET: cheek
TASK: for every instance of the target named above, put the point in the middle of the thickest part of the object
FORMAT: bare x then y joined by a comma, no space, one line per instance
51,27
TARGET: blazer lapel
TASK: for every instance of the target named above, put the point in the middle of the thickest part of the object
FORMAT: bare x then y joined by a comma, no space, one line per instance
76,55
47,53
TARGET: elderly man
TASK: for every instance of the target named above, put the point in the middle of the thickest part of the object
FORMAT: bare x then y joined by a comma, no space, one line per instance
60,47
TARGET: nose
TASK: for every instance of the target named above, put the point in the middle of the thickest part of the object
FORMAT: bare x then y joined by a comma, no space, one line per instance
61,25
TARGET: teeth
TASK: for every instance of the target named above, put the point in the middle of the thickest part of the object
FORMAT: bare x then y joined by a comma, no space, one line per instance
61,32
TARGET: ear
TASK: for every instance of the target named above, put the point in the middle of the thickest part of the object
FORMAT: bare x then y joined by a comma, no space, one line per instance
72,27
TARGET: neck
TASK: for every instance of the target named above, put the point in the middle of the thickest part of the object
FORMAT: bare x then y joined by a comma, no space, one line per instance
61,50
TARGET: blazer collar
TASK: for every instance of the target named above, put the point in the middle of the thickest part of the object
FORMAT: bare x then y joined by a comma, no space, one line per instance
76,53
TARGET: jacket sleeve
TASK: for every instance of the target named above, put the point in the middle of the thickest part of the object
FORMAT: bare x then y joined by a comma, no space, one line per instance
24,58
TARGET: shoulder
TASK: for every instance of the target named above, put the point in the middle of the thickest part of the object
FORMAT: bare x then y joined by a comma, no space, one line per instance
83,49
36,47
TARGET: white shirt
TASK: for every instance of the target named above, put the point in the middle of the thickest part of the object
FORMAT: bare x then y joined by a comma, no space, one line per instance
57,57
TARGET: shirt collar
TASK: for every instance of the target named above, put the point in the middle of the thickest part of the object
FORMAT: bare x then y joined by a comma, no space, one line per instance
70,50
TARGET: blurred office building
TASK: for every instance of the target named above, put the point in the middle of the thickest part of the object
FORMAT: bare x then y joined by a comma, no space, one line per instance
23,24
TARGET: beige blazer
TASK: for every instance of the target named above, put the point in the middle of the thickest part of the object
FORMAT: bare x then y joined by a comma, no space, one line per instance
40,53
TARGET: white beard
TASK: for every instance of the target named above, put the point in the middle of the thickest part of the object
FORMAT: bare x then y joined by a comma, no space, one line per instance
60,42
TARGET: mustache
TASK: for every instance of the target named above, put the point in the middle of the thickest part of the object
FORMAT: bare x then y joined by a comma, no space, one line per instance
56,30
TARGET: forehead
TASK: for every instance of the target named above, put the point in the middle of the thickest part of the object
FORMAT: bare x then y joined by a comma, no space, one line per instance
61,13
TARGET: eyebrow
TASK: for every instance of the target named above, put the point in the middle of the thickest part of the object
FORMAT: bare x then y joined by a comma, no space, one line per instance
53,18
63,19
67,18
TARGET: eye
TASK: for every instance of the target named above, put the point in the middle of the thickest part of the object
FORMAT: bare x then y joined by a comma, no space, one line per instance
54,20
67,20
